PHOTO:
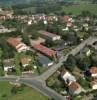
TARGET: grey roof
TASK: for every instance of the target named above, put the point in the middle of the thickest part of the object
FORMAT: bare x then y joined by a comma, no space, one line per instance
44,60
8,63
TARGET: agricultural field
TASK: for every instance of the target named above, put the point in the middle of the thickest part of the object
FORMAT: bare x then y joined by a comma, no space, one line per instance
77,9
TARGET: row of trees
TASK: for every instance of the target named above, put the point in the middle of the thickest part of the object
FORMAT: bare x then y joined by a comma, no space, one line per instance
1,67
83,62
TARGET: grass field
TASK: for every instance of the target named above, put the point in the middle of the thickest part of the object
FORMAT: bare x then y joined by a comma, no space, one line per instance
79,8
30,9
26,94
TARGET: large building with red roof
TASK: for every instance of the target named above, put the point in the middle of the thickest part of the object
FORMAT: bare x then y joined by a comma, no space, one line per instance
44,50
17,44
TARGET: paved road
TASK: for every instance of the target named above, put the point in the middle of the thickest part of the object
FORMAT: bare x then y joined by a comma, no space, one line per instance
39,82
41,86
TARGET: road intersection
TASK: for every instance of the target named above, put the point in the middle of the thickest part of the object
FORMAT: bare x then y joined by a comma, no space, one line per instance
39,83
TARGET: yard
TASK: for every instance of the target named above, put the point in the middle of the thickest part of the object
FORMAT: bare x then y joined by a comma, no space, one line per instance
55,83
26,94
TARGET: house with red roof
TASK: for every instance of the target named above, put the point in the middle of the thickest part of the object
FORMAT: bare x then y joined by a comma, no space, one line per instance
17,44
67,18
43,49
75,88
93,71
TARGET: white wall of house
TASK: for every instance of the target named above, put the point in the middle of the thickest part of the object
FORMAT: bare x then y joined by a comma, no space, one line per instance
24,48
94,75
50,64
25,65
6,68
94,87
56,38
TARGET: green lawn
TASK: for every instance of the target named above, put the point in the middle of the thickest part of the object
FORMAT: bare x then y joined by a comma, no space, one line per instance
79,8
26,94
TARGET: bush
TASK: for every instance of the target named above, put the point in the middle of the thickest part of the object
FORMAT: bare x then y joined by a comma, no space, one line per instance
4,95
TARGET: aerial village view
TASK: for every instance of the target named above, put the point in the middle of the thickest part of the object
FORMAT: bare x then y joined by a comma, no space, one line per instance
48,49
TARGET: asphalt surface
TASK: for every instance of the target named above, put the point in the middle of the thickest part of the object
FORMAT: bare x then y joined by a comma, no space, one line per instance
39,82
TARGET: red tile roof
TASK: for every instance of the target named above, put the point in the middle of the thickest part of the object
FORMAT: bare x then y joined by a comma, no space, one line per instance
14,41
66,18
17,44
74,86
45,50
93,70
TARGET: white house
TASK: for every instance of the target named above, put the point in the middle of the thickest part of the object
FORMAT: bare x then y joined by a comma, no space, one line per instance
8,65
67,76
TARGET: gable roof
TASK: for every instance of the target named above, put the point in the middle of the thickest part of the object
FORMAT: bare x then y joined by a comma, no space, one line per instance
44,49
14,41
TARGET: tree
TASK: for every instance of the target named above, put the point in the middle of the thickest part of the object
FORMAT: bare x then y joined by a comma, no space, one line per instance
94,59
25,38
1,66
48,43
84,83
86,13
17,64
52,28
1,53
84,62
70,62
14,90
32,31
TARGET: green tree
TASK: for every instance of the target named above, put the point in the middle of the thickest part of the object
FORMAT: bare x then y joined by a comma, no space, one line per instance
84,62
25,38
1,66
17,64
94,59
1,53
14,90
70,62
